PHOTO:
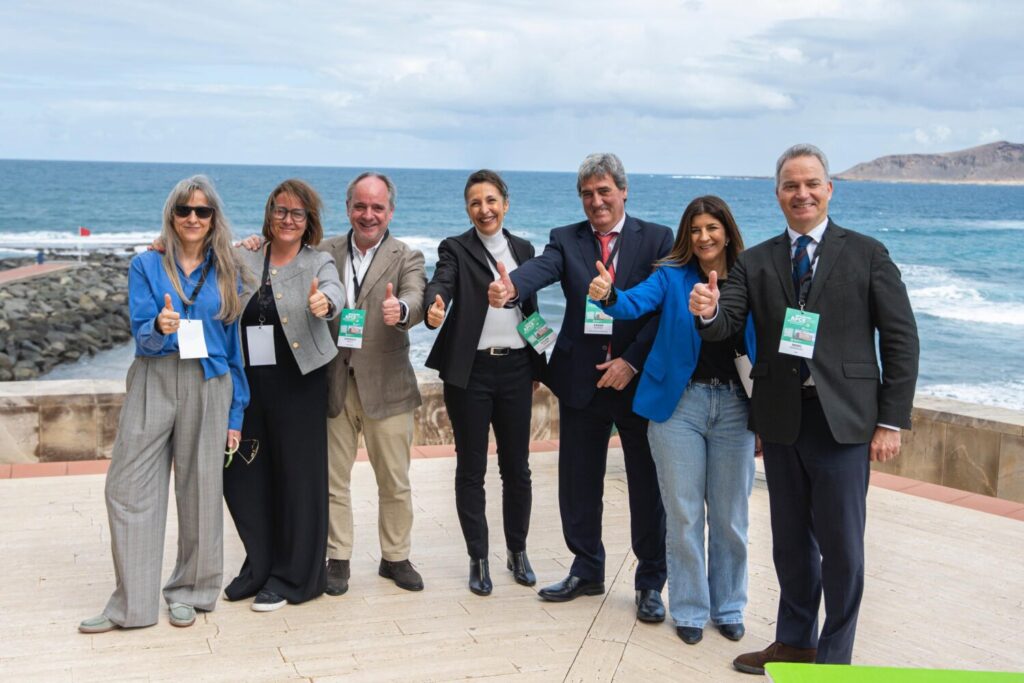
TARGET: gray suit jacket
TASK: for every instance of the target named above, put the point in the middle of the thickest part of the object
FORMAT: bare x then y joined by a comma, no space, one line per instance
310,340
383,373
858,292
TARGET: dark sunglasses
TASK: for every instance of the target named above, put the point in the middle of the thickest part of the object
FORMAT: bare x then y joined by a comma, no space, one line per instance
182,211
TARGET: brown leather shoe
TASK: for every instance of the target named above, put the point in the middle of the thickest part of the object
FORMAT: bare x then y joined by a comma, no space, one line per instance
753,662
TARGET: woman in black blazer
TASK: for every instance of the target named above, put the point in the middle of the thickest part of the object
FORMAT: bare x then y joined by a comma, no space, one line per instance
488,372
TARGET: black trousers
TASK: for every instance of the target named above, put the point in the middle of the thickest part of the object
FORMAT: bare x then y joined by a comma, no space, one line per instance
582,459
817,490
279,500
499,393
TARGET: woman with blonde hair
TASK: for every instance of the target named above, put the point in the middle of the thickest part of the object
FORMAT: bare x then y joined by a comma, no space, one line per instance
186,391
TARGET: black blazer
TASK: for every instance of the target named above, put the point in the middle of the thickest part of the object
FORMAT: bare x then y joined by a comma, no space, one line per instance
569,258
463,273
857,290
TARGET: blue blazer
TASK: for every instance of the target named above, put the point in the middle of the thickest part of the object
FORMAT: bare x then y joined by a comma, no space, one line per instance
676,349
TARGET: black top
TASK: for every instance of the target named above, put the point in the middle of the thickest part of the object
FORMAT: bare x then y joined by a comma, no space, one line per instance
262,300
717,358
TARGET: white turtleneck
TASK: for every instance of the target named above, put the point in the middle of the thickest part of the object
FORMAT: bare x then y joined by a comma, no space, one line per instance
500,323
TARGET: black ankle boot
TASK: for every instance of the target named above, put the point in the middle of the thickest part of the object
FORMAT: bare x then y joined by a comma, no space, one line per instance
480,577
519,565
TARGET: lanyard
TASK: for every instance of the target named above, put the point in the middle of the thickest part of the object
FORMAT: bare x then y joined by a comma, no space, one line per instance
199,285
357,286
487,252
264,282
611,253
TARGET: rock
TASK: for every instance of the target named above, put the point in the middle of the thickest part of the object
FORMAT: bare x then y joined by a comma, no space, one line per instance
5,362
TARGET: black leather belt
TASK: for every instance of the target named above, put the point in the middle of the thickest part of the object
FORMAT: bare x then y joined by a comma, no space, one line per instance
499,350
715,382
808,392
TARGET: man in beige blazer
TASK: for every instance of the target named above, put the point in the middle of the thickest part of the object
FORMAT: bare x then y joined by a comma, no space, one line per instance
372,389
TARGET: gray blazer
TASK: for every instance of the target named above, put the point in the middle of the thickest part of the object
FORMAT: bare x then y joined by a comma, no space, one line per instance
309,337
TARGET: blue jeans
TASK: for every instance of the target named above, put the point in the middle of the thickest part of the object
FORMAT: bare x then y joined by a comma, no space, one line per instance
705,454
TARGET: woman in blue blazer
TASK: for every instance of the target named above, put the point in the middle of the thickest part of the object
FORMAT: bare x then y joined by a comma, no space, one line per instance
692,394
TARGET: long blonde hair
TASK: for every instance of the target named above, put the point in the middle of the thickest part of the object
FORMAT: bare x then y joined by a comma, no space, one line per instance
218,238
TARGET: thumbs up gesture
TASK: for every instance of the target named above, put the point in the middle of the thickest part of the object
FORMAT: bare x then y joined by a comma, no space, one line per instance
502,289
168,320
704,297
600,286
318,303
435,314
390,308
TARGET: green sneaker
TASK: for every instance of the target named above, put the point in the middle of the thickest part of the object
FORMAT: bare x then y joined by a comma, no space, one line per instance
97,624
181,614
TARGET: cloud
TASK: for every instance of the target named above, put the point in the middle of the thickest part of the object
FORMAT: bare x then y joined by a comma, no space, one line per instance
932,135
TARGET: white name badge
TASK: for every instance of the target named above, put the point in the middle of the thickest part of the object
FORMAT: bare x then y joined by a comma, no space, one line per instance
261,344
350,330
595,320
191,342
799,332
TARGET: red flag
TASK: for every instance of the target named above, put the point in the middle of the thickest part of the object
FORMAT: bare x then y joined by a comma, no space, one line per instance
83,231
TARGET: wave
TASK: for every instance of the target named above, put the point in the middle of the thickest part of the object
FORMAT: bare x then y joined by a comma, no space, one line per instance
53,239
938,292
696,177
1009,394
959,224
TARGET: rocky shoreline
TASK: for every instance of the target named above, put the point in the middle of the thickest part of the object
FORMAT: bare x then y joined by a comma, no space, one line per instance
60,317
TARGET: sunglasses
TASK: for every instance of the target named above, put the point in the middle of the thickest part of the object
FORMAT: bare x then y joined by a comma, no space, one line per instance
183,211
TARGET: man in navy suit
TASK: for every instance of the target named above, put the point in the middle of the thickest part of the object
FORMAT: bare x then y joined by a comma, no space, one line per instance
593,372
824,413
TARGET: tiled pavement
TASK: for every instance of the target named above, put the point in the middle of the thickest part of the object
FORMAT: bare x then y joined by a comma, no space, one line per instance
944,589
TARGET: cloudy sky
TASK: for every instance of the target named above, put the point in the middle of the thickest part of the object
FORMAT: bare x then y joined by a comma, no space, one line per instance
695,86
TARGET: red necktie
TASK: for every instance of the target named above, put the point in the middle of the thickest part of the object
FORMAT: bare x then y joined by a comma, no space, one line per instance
605,240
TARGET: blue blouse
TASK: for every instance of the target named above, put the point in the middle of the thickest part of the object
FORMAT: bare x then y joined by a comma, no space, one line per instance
147,284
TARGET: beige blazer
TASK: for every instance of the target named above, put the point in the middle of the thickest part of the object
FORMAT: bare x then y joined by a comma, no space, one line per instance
310,340
382,370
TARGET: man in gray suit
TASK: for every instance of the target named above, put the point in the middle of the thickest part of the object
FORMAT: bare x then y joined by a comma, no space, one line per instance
372,387
820,295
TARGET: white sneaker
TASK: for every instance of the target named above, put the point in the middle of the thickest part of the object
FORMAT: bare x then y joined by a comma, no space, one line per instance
267,601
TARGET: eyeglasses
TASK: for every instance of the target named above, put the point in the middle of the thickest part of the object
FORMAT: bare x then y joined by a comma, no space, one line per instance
247,450
183,211
298,215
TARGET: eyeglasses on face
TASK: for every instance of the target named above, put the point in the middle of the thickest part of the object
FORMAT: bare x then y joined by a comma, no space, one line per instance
183,211
280,212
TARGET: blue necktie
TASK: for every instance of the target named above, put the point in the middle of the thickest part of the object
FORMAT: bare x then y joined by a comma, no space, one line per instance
801,274
801,264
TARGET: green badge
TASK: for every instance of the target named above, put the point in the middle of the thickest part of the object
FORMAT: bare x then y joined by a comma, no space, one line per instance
595,320
536,332
799,332
350,334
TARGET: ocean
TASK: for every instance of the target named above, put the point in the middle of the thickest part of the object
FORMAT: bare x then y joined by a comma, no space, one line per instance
960,247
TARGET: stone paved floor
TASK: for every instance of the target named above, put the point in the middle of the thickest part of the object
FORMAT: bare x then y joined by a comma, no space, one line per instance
945,589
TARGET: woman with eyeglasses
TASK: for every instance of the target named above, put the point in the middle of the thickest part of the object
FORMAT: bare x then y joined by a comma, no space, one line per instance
276,485
186,391
488,371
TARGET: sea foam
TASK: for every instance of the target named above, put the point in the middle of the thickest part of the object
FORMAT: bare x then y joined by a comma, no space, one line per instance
938,292
1008,394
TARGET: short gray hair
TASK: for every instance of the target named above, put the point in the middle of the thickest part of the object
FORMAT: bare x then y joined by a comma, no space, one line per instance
392,192
801,150
602,163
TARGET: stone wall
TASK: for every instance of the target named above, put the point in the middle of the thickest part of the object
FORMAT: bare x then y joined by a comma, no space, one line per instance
962,445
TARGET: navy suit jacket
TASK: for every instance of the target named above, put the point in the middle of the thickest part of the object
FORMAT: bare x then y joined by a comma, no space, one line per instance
569,258
858,292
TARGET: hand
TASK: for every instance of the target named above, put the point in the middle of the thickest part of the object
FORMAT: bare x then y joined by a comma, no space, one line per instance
600,286
501,290
617,374
758,446
390,308
318,303
885,444
157,245
704,297
234,439
252,243
435,314
168,320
